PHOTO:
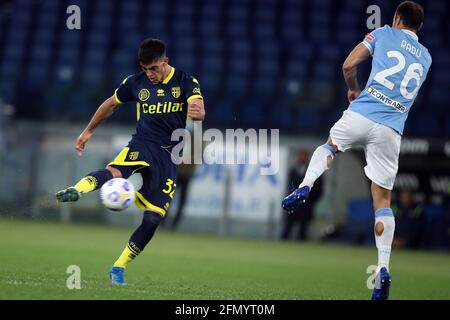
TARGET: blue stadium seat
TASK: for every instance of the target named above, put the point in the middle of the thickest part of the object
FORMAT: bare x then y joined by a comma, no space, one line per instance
308,119
184,54
324,72
319,34
291,23
282,117
263,32
14,53
329,53
129,9
354,6
347,20
79,106
237,30
251,114
360,221
210,28
437,97
211,85
437,233
319,19
237,83
183,10
155,26
98,40
41,54
224,113
323,5
157,8
36,77
437,8
102,23
301,52
212,10
432,127
264,21
183,26
236,48
123,65
237,20
348,38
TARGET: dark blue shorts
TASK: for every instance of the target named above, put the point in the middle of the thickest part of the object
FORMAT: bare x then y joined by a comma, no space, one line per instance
159,173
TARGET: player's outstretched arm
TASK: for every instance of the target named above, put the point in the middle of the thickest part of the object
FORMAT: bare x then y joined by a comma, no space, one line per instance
358,55
103,112
196,110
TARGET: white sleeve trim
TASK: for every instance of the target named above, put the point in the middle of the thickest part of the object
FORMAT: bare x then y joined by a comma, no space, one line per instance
368,47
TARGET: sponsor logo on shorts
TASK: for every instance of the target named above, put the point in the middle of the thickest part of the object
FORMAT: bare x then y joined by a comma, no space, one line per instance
386,100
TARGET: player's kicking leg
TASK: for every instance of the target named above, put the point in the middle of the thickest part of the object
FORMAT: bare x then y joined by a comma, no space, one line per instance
384,234
319,163
91,182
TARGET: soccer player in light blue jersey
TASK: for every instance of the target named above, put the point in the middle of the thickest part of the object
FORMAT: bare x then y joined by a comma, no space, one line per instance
375,120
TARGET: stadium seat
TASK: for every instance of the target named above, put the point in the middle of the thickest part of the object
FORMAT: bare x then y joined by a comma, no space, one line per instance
308,119
206,38
360,221
436,227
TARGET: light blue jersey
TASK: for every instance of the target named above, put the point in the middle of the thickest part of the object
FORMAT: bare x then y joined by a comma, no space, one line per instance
399,67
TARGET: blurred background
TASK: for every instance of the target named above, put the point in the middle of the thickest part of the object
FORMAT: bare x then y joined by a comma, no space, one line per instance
261,64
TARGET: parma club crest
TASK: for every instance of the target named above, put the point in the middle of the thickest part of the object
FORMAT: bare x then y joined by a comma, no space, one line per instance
176,91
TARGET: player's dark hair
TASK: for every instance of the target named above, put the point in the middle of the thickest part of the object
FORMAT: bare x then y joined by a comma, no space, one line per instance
411,14
151,50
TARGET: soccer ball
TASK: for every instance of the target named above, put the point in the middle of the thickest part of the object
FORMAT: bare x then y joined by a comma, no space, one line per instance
117,194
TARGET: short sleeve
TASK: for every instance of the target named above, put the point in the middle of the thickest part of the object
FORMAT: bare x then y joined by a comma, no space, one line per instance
371,39
124,92
191,89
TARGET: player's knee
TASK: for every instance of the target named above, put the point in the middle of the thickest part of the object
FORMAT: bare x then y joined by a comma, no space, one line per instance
381,197
332,145
152,218
332,152
114,171
379,228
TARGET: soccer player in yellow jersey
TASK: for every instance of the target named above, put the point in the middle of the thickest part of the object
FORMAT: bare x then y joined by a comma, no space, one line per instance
165,97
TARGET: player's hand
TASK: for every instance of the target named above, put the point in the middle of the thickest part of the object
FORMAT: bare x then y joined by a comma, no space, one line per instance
196,110
81,142
353,94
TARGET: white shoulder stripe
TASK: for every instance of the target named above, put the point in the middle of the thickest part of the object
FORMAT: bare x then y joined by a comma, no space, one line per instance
368,46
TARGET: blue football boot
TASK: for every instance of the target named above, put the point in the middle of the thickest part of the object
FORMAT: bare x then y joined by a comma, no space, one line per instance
296,198
68,195
116,276
382,284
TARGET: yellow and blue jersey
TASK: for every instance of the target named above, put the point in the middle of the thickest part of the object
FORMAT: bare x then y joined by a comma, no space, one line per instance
160,108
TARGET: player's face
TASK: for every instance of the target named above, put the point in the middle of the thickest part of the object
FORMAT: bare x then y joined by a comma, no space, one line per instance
155,71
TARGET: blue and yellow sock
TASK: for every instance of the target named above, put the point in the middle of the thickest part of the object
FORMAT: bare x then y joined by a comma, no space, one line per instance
93,181
139,239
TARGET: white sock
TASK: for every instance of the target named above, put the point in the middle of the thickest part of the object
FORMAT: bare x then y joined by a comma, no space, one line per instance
317,165
384,242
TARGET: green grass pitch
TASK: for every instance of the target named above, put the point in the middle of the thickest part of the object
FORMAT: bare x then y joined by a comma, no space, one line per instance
35,257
